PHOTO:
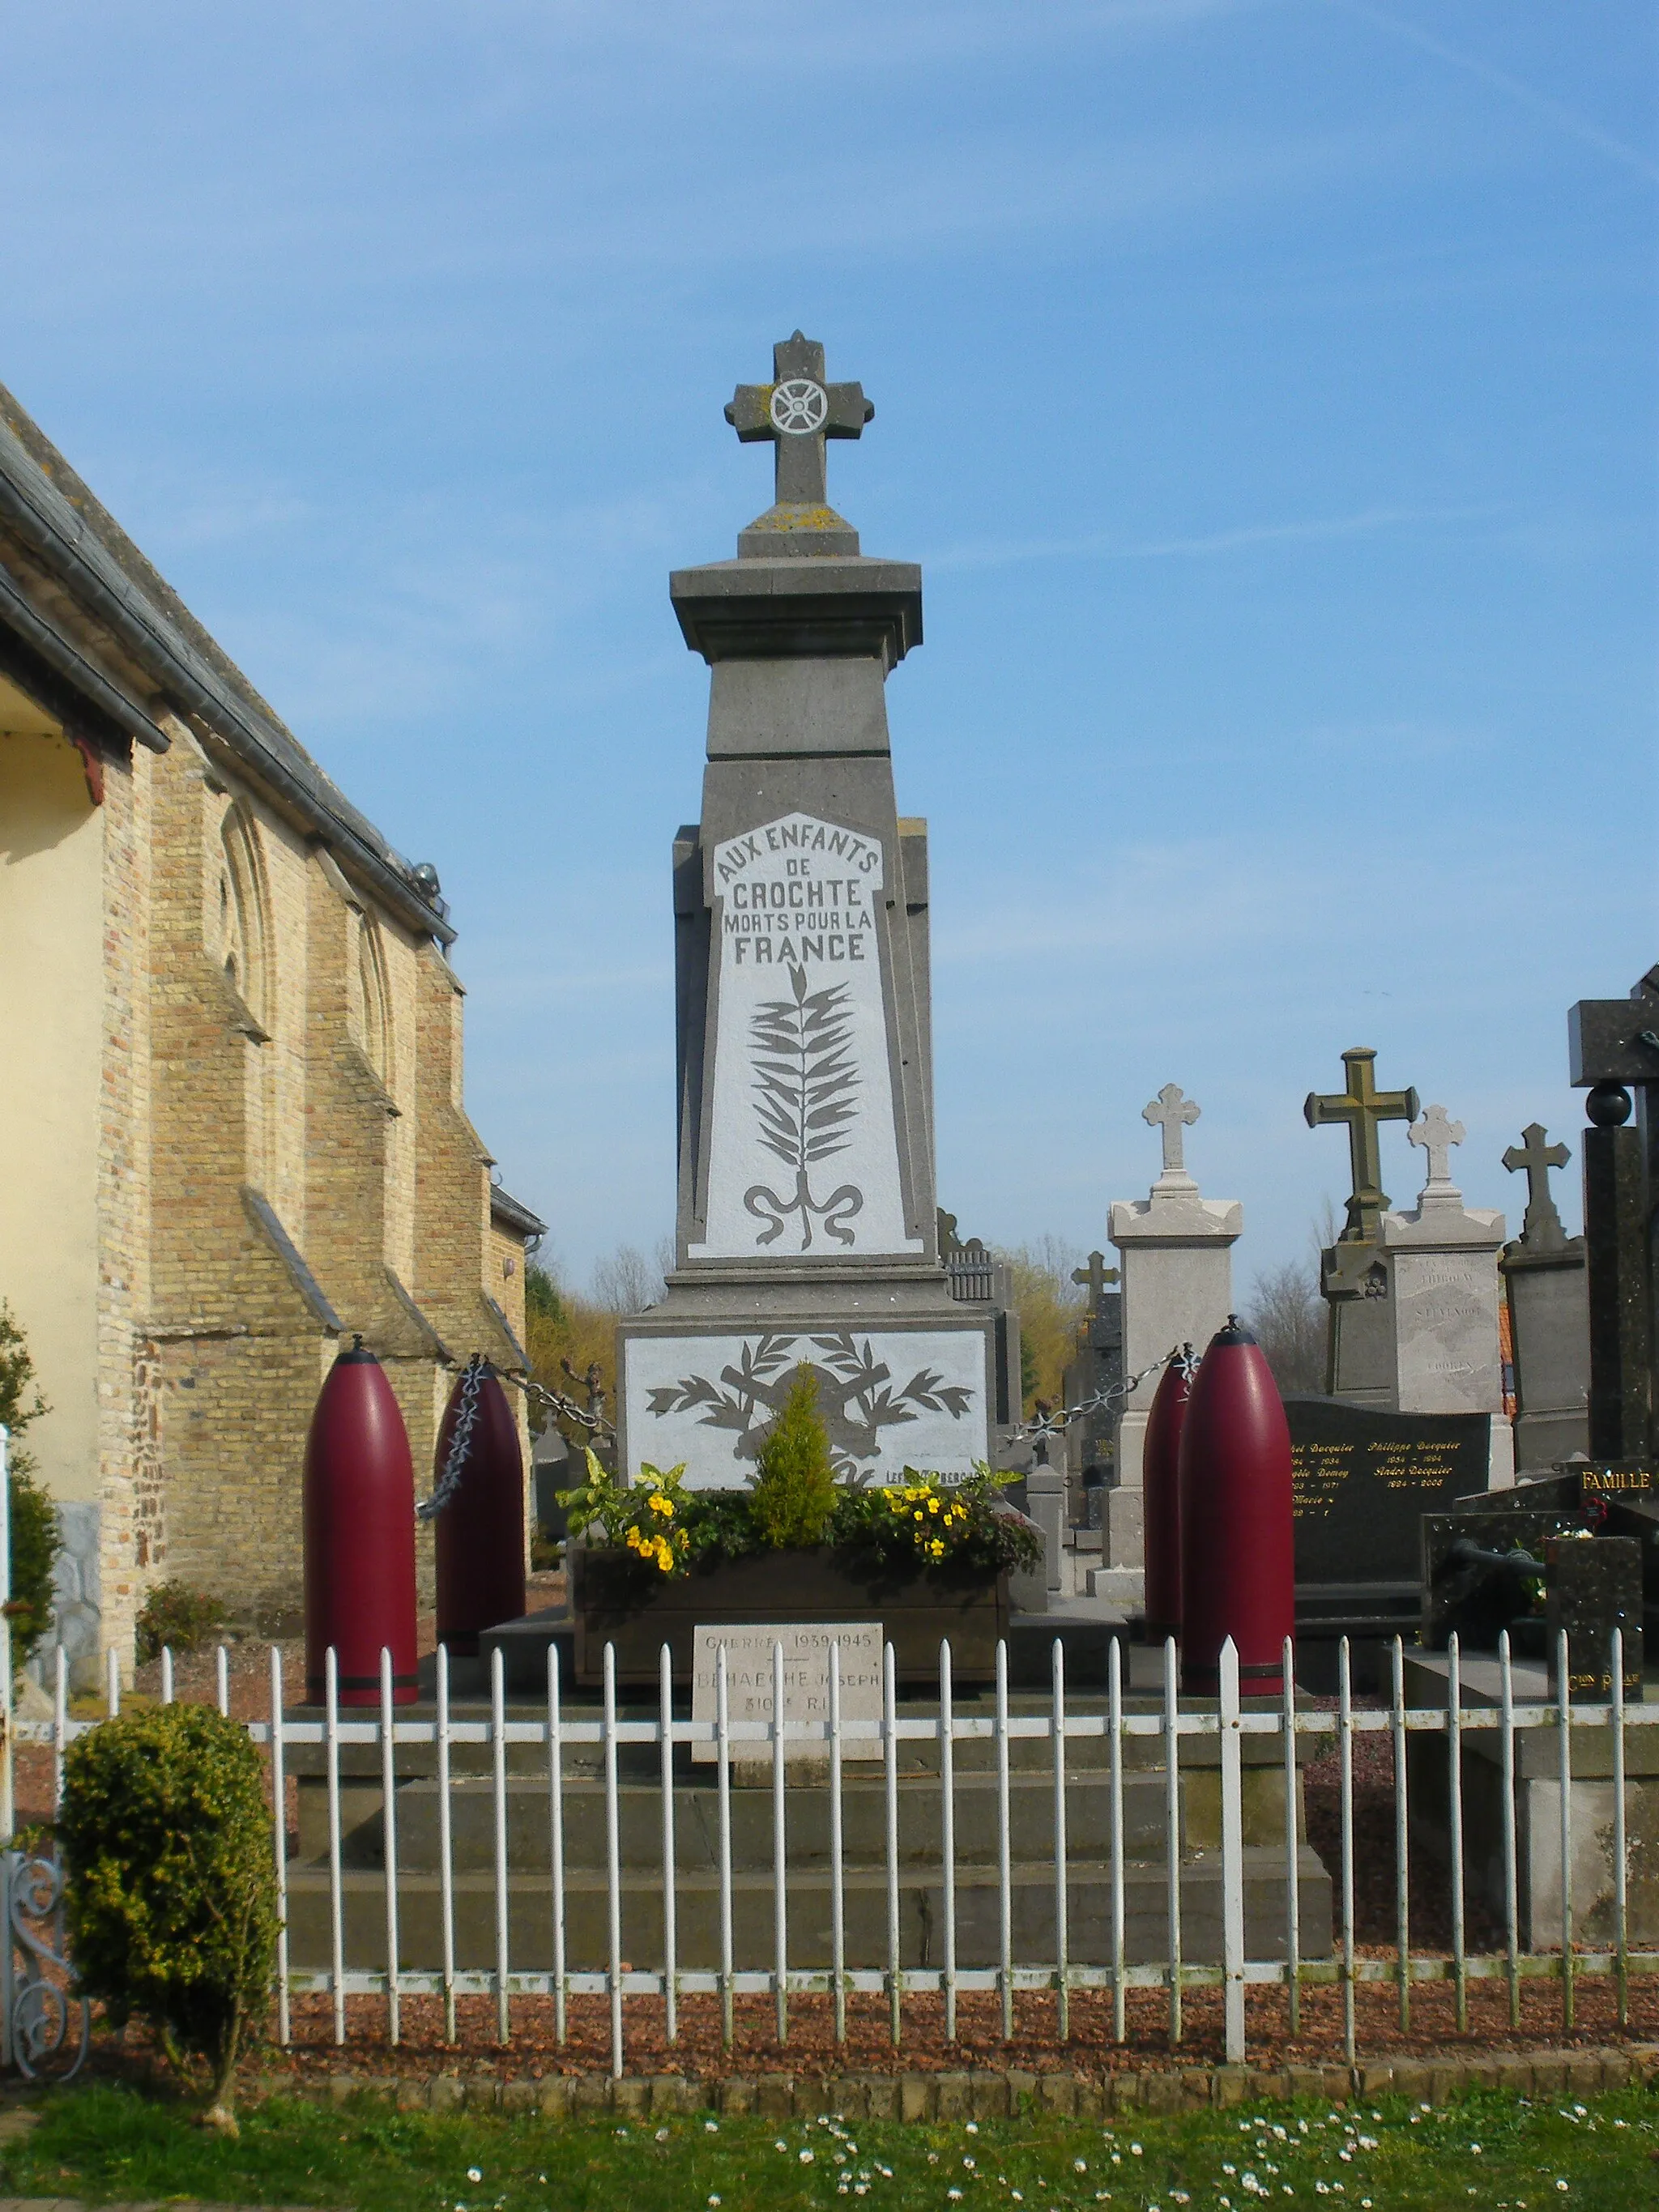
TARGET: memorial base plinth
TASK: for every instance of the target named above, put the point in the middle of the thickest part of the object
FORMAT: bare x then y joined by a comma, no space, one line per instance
613,1601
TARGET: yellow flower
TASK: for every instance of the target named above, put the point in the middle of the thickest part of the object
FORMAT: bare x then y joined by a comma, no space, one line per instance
661,1504
936,1549
932,1506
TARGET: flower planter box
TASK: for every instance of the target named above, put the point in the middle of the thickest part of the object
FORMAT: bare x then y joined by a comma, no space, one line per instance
616,1600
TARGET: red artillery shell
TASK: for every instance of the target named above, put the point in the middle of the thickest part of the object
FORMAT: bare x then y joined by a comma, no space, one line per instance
1237,1554
481,1532
359,1535
1160,1499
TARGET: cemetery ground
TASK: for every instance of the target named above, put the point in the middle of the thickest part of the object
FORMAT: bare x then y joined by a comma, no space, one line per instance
477,2060
109,2143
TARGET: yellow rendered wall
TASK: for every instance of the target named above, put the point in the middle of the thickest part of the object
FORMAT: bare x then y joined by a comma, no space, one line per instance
51,1080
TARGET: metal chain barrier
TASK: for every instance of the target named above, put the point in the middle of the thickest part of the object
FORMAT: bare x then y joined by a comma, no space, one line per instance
588,1417
466,1418
1103,1401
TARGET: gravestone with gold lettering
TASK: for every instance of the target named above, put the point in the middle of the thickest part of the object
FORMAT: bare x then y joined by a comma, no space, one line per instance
807,1233
1361,1480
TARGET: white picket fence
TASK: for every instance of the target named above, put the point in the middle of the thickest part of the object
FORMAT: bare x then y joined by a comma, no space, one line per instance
555,1731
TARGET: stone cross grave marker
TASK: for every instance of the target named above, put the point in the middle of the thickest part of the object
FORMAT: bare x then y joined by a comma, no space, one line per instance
796,411
1172,1113
1096,1276
1364,1108
1544,1284
1436,1134
1541,1229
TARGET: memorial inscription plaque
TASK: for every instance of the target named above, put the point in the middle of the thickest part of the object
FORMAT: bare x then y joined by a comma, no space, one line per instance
1362,1480
749,1683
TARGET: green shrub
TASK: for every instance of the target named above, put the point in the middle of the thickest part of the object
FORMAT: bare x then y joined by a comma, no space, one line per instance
793,1499
35,1542
177,1618
170,1885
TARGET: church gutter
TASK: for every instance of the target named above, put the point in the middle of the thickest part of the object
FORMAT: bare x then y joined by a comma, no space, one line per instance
73,668
28,505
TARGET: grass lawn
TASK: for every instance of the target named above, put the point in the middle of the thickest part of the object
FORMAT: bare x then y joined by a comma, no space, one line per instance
1490,2152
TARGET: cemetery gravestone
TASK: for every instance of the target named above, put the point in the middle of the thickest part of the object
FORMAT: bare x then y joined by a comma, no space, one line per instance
1613,1049
1175,1253
807,1233
1442,1260
1582,1499
1096,1372
1592,1587
1353,1278
976,1276
1361,1481
1549,1315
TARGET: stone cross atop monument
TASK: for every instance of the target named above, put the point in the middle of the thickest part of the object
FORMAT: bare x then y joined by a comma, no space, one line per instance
1364,1108
796,412
1436,1134
1540,1229
1096,1277
1172,1113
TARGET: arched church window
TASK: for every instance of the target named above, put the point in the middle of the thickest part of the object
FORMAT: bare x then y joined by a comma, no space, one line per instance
244,937
372,1000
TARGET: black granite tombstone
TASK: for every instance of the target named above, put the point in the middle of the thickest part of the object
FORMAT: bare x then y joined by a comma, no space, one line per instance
1601,1498
1613,1052
1362,1480
1591,1588
1484,1573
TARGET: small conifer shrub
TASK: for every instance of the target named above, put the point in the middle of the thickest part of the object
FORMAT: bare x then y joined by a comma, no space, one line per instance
170,1885
794,1500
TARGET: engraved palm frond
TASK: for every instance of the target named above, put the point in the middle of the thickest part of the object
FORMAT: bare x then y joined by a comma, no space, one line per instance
805,1072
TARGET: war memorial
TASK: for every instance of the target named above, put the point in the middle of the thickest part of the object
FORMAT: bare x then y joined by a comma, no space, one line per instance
869,1687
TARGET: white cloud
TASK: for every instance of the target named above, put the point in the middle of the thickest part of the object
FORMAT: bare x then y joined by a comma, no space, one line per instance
1239,538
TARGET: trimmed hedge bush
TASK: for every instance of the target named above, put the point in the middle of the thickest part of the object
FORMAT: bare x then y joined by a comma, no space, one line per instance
35,1542
171,1887
174,1616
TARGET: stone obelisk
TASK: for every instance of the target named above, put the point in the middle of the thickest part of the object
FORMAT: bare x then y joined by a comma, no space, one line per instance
806,1232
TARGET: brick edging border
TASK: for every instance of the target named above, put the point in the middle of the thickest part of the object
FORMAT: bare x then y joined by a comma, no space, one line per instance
993,2094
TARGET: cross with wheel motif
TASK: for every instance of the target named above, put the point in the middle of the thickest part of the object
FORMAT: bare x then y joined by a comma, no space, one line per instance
798,411
1363,1107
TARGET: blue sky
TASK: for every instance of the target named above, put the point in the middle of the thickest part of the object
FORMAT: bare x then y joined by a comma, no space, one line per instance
1267,387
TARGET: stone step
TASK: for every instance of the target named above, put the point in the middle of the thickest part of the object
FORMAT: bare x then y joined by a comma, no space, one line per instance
1089,1911
697,1815
917,1756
